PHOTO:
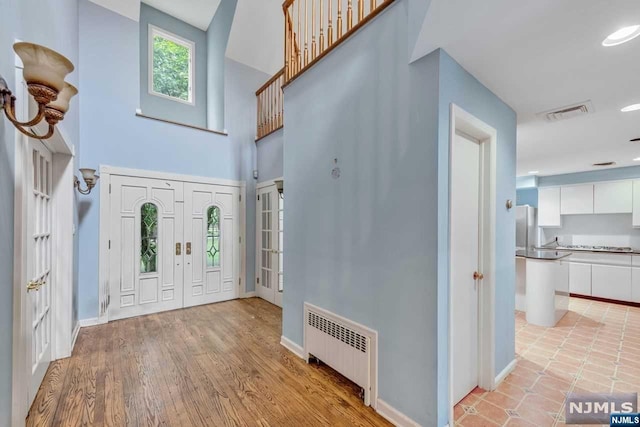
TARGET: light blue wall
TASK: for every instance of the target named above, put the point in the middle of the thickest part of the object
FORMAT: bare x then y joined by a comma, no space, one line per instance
53,24
364,245
526,181
631,172
128,141
373,245
270,156
217,37
527,196
165,108
461,88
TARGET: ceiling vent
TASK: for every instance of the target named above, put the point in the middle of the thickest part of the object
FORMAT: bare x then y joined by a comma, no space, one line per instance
568,112
604,164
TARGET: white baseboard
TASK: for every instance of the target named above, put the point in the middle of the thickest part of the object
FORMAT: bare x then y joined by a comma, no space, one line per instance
394,416
506,371
84,323
74,337
292,347
251,294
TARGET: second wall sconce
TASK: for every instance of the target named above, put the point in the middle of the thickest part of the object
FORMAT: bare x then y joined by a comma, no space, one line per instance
44,72
90,179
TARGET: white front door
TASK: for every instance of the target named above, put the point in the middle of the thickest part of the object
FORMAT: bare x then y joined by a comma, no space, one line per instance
270,281
212,243
146,267
39,261
464,262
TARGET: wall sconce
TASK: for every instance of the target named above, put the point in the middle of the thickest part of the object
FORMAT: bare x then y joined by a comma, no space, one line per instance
44,71
90,178
280,187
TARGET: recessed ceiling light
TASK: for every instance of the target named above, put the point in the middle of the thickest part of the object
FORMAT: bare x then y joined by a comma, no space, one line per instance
623,35
533,172
637,159
632,107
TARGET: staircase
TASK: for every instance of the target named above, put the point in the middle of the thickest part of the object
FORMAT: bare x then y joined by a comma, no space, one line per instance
313,28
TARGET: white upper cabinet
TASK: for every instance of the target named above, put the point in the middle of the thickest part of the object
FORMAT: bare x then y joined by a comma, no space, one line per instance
577,199
549,207
613,197
636,203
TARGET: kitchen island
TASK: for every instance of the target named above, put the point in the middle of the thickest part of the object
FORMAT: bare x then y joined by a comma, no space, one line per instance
542,288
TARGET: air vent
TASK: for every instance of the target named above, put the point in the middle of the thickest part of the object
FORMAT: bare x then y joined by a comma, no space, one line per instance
568,112
604,164
339,332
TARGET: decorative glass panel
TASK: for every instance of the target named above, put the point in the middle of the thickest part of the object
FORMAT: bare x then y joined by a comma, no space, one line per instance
149,238
213,237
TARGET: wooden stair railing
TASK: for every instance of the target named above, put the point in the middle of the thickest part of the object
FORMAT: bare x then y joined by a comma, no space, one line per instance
270,105
313,28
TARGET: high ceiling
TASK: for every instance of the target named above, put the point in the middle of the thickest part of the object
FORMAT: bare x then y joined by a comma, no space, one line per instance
546,54
198,13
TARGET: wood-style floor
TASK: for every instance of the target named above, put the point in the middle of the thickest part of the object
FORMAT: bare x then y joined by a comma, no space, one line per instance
213,365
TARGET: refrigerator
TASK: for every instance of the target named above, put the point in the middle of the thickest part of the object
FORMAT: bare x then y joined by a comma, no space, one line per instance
526,230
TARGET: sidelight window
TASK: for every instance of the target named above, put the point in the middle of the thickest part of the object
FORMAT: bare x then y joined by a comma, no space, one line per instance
213,237
149,238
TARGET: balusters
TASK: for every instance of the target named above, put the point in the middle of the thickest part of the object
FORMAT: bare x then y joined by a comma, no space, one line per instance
339,23
330,27
373,6
313,29
349,15
360,10
321,28
306,34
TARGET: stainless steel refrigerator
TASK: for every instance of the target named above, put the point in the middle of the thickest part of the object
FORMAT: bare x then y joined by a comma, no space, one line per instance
526,230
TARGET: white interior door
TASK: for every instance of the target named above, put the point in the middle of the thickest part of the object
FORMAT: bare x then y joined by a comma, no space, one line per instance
464,263
212,243
270,281
146,263
39,250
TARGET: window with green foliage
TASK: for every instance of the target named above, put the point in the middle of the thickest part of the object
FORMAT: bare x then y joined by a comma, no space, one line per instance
171,65
213,237
149,238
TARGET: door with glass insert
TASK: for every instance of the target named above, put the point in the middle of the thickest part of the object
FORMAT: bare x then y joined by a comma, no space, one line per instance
212,243
39,256
146,232
270,279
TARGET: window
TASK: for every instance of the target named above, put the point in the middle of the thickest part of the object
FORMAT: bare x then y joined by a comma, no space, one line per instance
149,238
171,66
213,237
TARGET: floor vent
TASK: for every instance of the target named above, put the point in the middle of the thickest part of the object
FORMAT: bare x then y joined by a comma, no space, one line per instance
346,346
568,112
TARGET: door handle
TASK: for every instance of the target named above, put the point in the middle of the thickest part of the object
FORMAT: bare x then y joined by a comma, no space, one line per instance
477,276
188,248
178,248
33,286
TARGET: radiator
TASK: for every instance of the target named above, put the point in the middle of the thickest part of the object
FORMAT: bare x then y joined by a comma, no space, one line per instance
345,346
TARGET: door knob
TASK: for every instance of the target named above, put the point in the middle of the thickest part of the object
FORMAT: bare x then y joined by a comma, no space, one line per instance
178,248
477,276
188,248
33,286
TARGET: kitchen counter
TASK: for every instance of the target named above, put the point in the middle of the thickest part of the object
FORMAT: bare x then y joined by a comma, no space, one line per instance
543,254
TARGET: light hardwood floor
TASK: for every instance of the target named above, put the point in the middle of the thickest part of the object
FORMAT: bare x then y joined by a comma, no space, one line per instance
213,365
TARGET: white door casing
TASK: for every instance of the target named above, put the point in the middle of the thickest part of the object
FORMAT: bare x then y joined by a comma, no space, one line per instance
212,243
465,234
269,233
467,124
158,287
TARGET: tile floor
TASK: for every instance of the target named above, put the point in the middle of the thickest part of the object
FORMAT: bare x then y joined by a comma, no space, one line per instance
594,348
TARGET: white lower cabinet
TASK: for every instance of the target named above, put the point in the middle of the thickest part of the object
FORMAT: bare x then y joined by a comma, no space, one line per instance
611,282
580,278
635,284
